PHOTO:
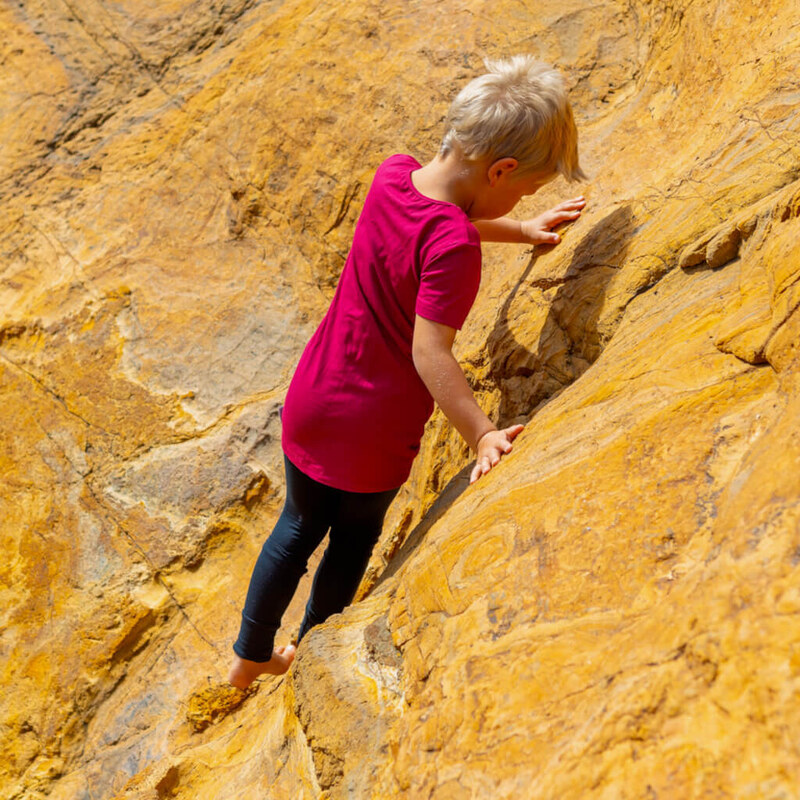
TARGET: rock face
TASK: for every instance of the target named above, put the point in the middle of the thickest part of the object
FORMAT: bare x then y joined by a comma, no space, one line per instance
614,612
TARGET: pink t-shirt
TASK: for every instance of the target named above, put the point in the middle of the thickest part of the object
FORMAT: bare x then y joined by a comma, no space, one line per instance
356,407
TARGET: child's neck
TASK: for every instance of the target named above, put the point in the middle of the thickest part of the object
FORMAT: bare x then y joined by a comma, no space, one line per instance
449,178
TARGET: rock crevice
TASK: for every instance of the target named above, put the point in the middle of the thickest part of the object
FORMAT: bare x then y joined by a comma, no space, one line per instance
610,612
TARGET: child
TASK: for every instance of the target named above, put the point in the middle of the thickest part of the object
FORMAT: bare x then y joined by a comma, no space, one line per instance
366,382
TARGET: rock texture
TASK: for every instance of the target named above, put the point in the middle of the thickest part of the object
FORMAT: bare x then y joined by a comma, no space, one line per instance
614,612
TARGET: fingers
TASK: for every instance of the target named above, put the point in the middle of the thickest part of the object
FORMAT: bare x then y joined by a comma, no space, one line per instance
575,202
557,216
482,466
514,431
571,208
480,469
538,230
489,455
566,212
510,434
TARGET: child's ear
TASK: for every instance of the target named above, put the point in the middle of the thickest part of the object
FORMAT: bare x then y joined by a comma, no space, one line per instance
503,166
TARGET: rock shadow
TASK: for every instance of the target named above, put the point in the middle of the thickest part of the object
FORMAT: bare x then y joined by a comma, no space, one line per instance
568,343
446,498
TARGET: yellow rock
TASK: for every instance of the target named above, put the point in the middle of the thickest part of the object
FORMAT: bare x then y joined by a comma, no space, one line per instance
611,613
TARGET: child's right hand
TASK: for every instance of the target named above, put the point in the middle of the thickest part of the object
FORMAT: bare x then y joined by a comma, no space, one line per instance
539,230
492,446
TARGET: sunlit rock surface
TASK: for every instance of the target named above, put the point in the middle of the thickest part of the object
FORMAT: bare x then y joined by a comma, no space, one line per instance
614,612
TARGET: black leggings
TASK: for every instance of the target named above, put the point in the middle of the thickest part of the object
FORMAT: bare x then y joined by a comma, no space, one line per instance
355,520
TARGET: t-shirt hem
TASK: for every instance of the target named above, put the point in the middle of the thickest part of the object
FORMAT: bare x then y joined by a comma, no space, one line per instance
310,468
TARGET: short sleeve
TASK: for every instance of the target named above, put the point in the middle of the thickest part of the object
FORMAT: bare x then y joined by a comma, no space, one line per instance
448,286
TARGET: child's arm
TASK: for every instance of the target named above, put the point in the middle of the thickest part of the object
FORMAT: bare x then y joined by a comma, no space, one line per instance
440,372
537,230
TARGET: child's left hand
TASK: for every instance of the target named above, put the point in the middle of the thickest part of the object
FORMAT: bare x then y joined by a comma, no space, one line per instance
492,446
539,230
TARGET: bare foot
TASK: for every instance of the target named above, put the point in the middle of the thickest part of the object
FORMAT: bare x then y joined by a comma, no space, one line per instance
244,672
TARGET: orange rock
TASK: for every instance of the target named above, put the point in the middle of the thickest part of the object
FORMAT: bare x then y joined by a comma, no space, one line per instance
612,612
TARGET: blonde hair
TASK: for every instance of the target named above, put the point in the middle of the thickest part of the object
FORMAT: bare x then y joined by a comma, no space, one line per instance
518,109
